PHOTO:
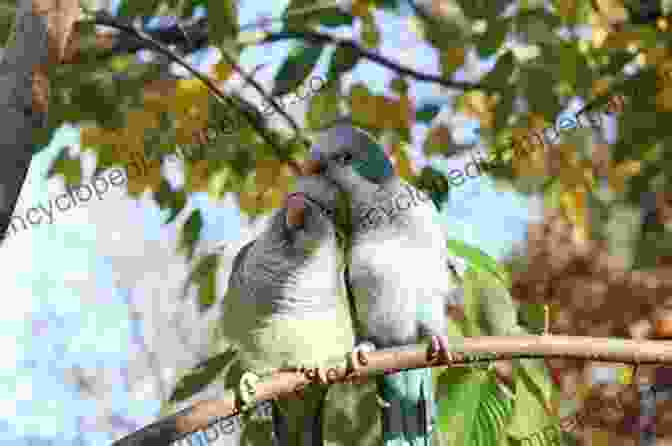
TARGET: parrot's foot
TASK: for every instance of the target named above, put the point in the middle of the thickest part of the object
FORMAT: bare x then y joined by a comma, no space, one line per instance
359,356
381,402
438,349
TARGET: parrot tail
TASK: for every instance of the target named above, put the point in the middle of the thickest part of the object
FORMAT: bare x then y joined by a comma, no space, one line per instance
409,418
299,422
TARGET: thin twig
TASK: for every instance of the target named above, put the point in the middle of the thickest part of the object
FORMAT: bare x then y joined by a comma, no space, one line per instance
250,80
198,34
320,37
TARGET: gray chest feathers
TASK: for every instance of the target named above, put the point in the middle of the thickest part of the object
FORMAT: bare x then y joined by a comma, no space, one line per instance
293,272
399,209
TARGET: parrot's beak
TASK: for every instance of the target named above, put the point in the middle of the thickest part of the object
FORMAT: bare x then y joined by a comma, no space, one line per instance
314,164
312,167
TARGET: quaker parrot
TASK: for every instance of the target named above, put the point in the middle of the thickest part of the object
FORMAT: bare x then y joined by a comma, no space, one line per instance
398,272
286,306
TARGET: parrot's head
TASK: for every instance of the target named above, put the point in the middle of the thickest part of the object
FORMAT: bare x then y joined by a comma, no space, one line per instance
320,191
329,205
352,159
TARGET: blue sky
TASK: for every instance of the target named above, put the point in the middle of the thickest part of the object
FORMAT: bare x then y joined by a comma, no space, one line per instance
47,328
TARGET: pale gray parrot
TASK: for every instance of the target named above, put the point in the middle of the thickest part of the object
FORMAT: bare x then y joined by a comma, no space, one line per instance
286,306
398,271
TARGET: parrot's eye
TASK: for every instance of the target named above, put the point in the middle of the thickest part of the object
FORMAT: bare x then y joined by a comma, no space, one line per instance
344,158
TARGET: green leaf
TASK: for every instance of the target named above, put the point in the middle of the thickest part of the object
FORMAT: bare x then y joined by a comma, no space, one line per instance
134,8
435,183
190,233
478,259
167,198
472,410
203,374
222,21
204,276
472,303
388,5
399,85
191,5
296,68
540,91
493,38
427,112
482,9
444,31
220,182
532,316
500,75
323,108
370,32
343,60
504,109
539,375
493,305
69,167
334,17
529,414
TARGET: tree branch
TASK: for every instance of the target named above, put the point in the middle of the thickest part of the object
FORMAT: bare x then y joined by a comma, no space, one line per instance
104,18
250,80
319,37
284,383
197,34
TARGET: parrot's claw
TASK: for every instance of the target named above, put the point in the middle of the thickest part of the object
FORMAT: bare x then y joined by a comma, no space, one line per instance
359,356
247,390
381,402
438,349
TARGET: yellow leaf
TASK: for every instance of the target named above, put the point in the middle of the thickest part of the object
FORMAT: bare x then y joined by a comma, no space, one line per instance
406,112
248,202
664,99
618,175
285,181
417,26
655,56
625,375
613,10
574,204
622,40
148,178
402,163
600,34
600,86
664,69
582,391
218,182
361,8
267,173
223,70
272,198
599,438
197,176
158,94
567,8
91,136
451,59
189,86
477,104
438,140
